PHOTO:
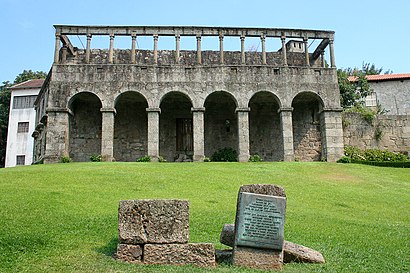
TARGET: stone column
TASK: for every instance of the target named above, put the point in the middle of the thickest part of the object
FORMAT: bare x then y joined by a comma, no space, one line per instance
305,41
287,133
332,134
221,48
263,38
107,134
64,54
111,50
155,49
243,61
332,54
57,137
198,130
133,46
198,48
57,48
88,49
285,58
177,41
243,134
153,132
322,55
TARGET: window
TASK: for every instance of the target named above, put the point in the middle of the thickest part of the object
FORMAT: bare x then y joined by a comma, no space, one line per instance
22,102
371,100
20,160
22,127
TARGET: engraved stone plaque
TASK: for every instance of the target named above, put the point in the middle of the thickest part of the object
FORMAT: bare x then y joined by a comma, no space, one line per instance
260,221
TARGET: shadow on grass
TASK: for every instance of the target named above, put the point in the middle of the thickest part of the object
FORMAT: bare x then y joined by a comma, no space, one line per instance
110,248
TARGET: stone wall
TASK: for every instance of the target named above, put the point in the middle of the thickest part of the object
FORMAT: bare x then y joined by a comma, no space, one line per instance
393,95
391,132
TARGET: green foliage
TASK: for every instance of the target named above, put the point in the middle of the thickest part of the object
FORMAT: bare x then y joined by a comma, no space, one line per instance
96,158
29,75
355,154
367,113
207,159
145,158
255,158
391,164
65,159
345,159
54,221
225,155
161,159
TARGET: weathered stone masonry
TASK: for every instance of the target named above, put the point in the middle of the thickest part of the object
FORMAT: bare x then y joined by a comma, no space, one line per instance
128,103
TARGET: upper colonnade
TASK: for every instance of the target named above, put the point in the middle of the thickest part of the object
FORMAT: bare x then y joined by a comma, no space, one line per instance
326,39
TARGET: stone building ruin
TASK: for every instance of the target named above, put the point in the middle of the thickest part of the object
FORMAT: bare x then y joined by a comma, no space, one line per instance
127,103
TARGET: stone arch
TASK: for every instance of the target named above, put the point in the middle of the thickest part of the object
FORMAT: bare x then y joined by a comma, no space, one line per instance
265,135
130,126
176,127
85,126
307,139
221,122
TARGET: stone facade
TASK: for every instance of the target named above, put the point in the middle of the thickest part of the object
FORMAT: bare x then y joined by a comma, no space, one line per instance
127,103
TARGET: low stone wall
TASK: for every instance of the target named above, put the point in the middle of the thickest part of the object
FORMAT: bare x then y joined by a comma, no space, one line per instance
390,132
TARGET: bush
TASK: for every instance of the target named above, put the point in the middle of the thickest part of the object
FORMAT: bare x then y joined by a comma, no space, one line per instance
65,159
161,159
392,164
145,158
225,155
96,158
345,159
207,159
255,158
371,155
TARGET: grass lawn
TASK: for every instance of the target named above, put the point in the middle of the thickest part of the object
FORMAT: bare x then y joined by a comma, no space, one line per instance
63,217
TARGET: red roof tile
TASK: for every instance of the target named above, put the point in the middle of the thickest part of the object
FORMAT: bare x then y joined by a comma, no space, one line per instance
383,77
30,84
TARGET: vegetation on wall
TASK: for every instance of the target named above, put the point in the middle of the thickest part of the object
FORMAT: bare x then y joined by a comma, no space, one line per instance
5,95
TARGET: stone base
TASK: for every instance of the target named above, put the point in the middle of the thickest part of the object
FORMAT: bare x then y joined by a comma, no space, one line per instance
129,253
258,258
180,254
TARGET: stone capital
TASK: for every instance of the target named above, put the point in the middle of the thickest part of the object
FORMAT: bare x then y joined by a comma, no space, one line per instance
335,109
153,110
242,109
197,109
285,109
108,110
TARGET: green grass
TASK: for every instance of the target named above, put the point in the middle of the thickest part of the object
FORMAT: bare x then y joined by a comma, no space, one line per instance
63,217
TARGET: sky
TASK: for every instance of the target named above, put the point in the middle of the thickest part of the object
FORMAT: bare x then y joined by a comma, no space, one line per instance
365,31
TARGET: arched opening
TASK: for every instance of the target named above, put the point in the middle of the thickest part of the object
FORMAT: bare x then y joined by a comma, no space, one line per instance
265,137
307,141
221,123
85,126
176,128
130,127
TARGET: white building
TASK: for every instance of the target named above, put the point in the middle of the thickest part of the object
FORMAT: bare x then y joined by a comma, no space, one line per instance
22,118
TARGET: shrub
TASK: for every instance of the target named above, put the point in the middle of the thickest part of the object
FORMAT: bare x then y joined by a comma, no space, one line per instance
255,158
145,158
96,158
161,159
345,159
65,159
225,155
374,155
207,159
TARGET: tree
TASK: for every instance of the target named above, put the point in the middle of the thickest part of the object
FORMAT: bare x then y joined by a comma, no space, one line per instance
353,92
5,95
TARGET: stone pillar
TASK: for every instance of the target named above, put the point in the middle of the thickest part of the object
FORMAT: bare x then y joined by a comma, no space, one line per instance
243,134
177,41
322,56
107,134
133,46
263,38
221,48
287,133
198,48
198,130
57,137
57,48
332,54
111,50
332,134
285,58
64,54
88,49
153,132
305,41
155,49
243,61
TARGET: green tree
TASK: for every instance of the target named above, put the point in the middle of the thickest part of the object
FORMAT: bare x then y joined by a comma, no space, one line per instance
353,92
5,95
